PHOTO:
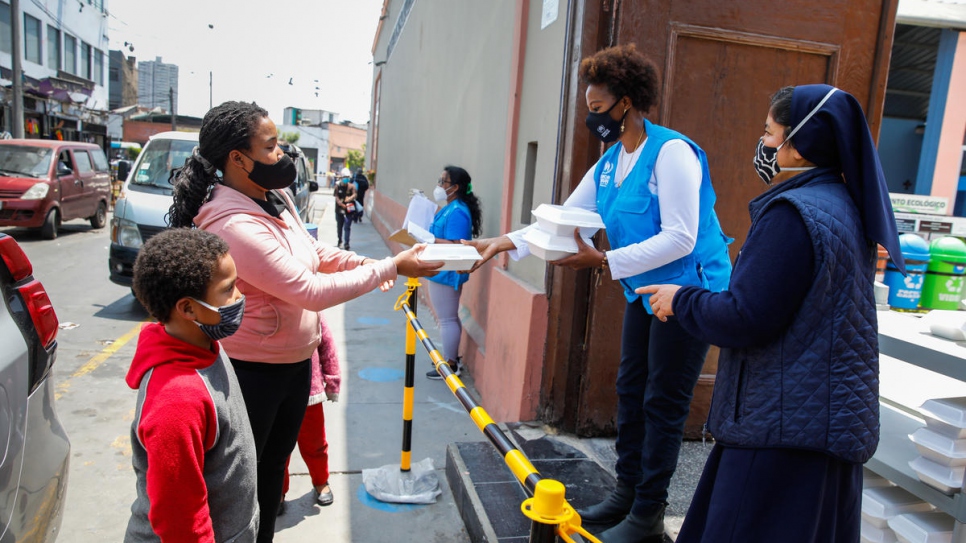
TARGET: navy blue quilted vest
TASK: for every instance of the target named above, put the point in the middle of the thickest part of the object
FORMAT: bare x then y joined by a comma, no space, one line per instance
817,386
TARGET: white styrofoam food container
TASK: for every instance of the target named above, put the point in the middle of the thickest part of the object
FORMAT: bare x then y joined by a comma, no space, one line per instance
939,448
946,415
550,247
946,479
932,527
455,256
881,504
873,534
561,220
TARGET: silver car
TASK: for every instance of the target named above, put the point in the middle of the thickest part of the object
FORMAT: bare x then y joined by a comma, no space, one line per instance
34,448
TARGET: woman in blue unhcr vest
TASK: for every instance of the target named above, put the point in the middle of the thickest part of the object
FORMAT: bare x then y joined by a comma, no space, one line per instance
795,411
653,191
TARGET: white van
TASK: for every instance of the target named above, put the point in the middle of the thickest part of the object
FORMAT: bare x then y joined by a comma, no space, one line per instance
140,210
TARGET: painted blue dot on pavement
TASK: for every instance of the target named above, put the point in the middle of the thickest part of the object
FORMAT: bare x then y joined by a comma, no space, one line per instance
369,501
373,321
381,375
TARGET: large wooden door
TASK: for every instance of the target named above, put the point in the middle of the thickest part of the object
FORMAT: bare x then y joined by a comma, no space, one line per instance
719,63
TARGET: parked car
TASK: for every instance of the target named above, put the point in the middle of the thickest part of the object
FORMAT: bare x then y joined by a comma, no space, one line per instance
34,448
139,211
44,183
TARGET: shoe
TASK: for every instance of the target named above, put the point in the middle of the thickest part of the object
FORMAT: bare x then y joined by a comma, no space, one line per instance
281,507
339,245
346,247
634,529
457,368
324,497
613,509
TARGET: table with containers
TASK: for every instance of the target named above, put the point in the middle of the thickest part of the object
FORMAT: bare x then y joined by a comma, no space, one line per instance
914,484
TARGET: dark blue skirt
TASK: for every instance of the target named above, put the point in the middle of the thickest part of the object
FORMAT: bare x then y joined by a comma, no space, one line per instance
774,495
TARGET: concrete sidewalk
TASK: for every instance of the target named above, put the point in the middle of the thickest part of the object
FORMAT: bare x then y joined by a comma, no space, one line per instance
364,428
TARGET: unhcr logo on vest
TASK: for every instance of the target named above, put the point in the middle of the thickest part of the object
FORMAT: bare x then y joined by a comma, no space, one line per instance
605,174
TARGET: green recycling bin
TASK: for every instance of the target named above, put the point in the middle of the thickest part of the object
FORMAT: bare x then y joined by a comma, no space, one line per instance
943,287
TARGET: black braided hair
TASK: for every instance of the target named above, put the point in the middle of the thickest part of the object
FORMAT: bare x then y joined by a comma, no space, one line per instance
226,127
461,178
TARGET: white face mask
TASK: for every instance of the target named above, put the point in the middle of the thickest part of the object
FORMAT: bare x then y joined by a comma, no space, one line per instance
440,194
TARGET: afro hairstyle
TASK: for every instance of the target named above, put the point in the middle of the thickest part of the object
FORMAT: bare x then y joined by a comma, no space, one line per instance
625,72
174,264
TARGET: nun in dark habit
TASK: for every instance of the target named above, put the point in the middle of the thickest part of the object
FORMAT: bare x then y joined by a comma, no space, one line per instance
795,409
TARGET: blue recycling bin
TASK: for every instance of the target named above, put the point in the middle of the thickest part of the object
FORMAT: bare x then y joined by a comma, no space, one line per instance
905,292
313,229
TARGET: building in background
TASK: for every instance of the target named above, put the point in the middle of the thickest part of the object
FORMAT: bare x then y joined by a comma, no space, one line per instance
158,85
122,80
64,68
344,137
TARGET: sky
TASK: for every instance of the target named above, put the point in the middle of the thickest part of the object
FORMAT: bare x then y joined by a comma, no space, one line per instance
309,54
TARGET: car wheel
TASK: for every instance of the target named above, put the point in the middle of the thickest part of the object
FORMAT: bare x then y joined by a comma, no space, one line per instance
51,223
99,218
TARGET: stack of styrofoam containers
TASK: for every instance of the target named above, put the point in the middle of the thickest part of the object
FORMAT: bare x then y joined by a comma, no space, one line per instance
553,237
941,444
879,505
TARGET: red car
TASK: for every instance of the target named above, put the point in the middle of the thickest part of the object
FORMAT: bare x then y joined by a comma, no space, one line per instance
44,182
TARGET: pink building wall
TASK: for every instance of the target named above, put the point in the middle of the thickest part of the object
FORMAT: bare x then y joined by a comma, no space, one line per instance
950,152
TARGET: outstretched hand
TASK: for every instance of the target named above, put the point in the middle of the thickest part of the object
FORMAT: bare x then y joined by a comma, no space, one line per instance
587,256
409,264
662,299
488,248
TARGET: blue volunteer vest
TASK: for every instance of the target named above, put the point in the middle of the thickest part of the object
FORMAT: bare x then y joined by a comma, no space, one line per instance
632,214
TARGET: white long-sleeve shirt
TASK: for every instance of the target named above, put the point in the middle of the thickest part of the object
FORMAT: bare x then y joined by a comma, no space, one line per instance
676,180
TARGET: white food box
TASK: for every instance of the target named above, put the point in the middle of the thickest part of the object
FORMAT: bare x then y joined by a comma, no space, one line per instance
939,448
550,247
872,534
881,504
871,479
946,416
455,256
561,220
946,479
932,527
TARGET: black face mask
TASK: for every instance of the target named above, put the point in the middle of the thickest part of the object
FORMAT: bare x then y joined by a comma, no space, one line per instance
273,176
604,126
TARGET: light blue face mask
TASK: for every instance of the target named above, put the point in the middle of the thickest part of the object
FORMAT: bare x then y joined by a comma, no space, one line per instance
231,318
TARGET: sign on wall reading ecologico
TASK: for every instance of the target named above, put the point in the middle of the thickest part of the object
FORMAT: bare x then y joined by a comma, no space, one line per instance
919,203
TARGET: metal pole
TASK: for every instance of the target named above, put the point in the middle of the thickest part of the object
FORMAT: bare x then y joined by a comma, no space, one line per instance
409,390
210,85
16,124
174,112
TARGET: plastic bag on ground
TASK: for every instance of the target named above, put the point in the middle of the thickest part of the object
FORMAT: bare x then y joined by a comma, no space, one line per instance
388,484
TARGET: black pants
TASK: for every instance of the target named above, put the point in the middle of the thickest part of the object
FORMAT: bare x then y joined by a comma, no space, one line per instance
275,398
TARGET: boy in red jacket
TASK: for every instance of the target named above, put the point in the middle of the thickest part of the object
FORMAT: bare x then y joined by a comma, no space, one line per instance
192,444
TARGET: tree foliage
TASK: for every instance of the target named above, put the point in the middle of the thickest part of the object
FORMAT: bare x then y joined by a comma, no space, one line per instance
291,137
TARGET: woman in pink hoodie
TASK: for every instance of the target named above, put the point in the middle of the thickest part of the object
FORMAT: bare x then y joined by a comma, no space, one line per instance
286,276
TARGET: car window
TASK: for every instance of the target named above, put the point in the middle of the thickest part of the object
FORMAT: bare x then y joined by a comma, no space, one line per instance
23,161
83,161
159,158
100,161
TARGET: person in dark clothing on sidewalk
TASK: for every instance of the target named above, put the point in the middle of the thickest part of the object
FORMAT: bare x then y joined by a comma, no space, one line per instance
795,411
362,185
345,198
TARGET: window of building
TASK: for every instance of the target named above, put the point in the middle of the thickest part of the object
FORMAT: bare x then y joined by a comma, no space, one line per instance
98,67
31,36
53,48
85,60
70,54
5,31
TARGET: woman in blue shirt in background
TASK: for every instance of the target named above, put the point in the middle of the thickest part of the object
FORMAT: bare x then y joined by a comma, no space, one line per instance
459,217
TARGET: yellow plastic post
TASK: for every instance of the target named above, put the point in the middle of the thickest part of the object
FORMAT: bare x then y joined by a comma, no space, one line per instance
412,284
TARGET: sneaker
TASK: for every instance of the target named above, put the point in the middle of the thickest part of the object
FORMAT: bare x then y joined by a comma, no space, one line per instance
457,368
346,247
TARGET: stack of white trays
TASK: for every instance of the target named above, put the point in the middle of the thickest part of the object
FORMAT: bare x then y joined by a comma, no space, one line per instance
941,444
553,236
879,505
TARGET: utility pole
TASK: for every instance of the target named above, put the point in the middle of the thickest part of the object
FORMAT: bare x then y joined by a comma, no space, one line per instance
16,124
174,111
